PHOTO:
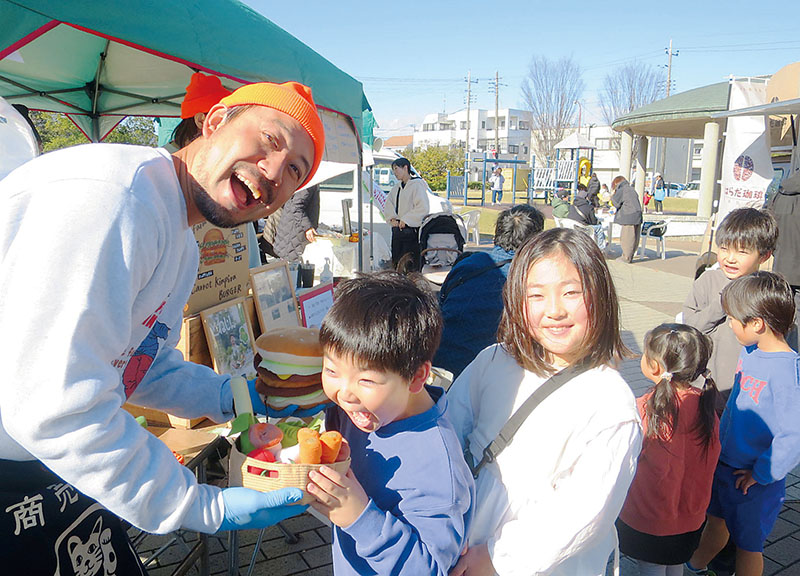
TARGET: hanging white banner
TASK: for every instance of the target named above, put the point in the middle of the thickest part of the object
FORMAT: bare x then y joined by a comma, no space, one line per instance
746,162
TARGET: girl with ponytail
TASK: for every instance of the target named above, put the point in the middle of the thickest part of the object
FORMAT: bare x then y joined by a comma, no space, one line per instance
663,516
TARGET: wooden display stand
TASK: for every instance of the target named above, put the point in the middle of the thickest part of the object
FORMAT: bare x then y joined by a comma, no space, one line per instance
194,346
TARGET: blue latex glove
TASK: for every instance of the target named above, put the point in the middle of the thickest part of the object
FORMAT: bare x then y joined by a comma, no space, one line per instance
255,398
245,508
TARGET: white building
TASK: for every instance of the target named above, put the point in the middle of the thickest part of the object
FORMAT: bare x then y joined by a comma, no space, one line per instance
511,129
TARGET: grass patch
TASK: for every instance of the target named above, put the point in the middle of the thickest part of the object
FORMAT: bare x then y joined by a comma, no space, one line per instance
682,205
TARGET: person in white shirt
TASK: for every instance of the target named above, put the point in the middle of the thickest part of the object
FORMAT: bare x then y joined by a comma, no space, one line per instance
548,502
90,320
406,206
496,181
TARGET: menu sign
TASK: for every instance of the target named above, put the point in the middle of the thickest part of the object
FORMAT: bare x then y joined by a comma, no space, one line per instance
222,274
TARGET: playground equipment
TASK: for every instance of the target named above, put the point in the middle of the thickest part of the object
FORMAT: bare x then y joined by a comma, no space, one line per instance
568,169
457,186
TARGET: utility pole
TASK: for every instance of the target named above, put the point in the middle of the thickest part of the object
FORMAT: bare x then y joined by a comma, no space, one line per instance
670,54
496,114
470,82
494,86
662,157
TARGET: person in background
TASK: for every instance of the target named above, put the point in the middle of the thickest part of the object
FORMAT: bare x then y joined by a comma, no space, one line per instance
582,211
593,190
496,181
547,503
784,205
91,322
628,216
202,93
298,224
604,196
760,430
659,192
26,113
561,203
406,206
663,516
471,296
746,238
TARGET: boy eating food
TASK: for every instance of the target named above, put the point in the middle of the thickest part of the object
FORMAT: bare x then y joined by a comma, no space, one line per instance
405,504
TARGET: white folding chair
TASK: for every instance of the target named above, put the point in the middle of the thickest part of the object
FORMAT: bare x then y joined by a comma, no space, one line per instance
657,231
471,219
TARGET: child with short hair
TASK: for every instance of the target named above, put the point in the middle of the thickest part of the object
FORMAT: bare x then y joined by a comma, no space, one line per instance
547,503
662,520
405,504
745,239
760,431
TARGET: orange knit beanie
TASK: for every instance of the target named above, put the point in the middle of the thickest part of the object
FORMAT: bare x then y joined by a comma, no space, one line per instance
291,98
201,94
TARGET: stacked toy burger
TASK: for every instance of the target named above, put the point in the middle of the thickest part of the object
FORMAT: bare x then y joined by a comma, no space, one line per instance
289,366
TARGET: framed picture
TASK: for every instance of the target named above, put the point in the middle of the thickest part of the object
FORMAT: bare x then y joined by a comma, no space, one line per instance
314,304
274,297
230,338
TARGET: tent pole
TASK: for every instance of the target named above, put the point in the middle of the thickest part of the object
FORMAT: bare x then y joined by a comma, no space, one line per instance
359,197
371,221
96,94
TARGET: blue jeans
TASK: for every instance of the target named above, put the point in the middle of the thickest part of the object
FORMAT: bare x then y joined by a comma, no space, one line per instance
497,196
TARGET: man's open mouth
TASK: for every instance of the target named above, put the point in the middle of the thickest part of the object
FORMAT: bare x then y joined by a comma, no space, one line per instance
247,192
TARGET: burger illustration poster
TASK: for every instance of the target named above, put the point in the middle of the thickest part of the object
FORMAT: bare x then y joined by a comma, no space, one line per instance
230,339
222,273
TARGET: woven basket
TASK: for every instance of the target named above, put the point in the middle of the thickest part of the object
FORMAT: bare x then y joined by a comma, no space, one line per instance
288,475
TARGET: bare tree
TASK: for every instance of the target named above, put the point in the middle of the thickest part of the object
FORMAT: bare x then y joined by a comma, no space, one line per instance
629,87
551,90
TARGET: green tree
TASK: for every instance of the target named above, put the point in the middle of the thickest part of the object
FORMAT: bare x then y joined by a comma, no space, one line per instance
58,131
433,162
140,130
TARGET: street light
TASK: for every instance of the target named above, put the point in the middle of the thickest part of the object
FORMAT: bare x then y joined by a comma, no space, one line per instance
580,112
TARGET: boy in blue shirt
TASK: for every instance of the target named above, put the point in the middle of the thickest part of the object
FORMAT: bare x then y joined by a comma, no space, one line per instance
405,504
759,431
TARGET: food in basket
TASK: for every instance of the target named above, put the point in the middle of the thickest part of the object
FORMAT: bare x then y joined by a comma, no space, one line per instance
289,366
268,476
306,433
310,451
331,445
262,454
265,435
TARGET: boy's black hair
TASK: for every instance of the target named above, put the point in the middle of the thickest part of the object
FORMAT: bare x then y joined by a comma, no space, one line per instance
385,321
764,295
515,225
582,188
749,229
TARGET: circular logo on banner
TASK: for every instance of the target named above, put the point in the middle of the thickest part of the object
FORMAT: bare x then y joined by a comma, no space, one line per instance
743,167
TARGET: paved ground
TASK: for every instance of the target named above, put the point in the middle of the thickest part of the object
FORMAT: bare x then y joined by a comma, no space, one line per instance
651,291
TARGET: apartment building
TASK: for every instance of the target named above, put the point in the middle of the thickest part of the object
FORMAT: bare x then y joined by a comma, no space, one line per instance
511,130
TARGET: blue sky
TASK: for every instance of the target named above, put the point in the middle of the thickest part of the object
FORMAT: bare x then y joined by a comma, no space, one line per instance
413,56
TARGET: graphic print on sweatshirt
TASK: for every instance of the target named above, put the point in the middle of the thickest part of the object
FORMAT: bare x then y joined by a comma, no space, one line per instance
139,360
86,548
748,384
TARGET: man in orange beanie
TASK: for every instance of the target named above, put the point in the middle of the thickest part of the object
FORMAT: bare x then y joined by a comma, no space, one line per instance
202,93
259,145
123,271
